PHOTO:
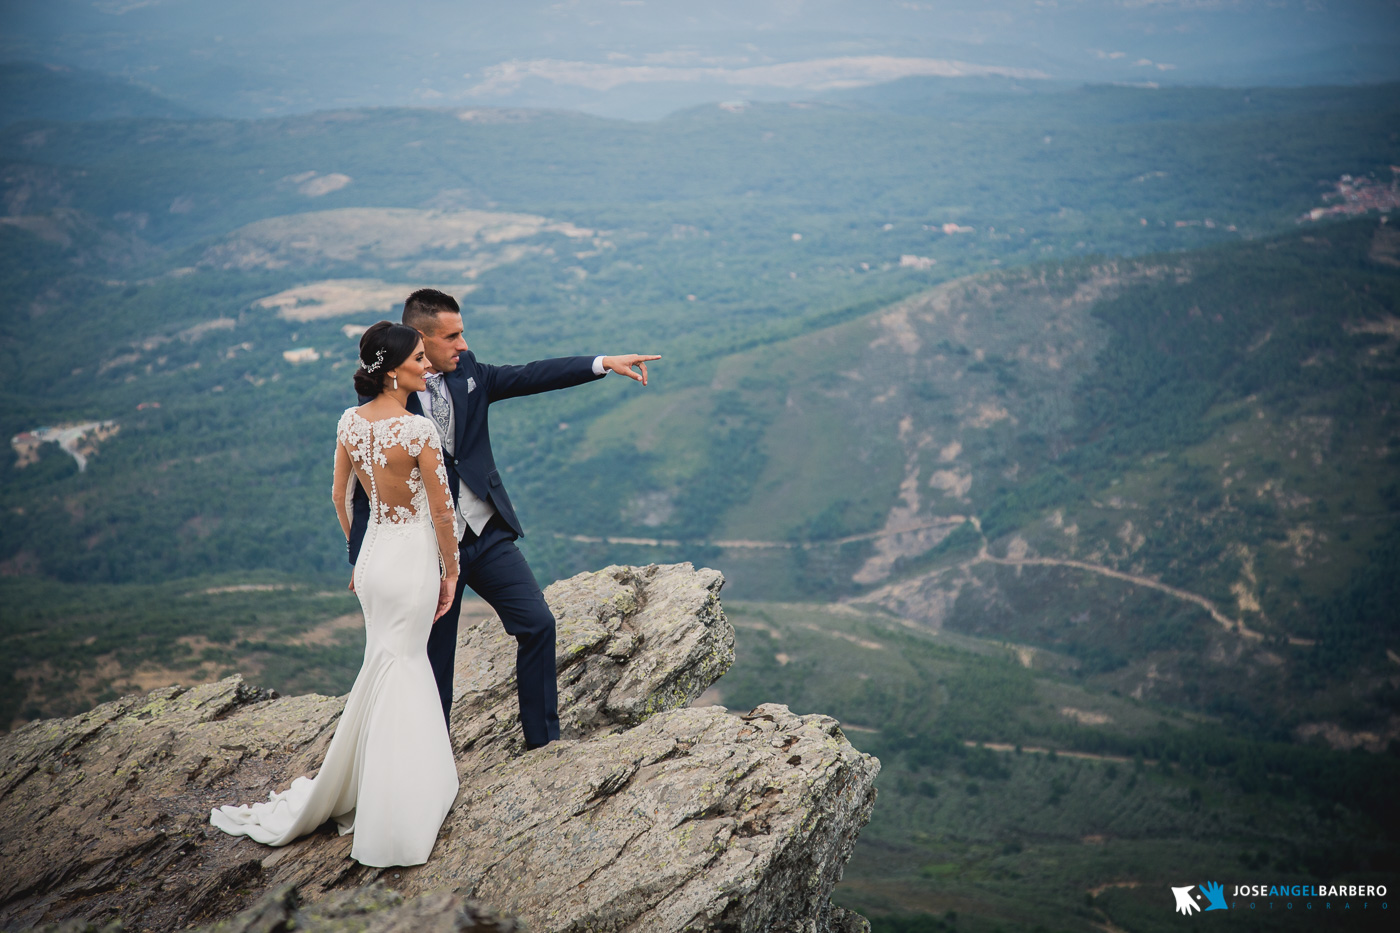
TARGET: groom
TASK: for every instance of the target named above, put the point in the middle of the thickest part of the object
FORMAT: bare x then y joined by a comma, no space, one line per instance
459,391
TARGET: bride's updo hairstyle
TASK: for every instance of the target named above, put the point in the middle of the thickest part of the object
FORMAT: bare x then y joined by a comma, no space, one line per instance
382,348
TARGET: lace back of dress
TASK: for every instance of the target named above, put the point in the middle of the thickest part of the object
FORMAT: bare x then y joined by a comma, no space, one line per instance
385,452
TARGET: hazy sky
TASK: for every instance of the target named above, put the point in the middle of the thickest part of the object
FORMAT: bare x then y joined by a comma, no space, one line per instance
643,57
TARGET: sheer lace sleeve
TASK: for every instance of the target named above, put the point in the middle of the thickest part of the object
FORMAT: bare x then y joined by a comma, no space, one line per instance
342,485
434,473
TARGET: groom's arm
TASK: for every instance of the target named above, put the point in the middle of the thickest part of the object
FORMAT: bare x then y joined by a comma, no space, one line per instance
359,517
547,375
512,381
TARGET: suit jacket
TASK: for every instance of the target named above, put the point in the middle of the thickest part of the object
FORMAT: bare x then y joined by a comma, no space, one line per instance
473,386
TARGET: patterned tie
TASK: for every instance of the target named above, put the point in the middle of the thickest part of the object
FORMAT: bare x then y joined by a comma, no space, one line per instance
442,414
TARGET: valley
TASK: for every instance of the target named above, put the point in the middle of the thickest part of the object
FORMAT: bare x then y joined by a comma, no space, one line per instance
1048,441
1017,795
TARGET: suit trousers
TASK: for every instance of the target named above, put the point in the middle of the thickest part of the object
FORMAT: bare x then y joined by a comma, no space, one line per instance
496,571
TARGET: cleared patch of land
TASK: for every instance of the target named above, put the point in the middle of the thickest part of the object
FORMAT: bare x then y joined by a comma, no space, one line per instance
340,297
418,244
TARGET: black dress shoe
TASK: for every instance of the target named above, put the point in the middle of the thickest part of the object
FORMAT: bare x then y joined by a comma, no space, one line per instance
531,748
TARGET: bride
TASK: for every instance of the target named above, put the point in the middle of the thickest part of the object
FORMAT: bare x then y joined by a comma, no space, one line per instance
389,775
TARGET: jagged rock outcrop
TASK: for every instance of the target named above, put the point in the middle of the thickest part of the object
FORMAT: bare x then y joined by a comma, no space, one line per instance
649,815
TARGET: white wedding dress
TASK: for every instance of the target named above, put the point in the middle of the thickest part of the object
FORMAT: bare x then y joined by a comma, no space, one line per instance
389,775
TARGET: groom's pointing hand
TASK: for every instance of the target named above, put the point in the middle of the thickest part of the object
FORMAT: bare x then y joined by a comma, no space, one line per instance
623,364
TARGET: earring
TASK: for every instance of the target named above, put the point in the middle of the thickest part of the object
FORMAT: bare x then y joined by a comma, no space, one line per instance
395,377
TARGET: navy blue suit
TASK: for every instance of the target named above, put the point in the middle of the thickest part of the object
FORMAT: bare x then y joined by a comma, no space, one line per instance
491,563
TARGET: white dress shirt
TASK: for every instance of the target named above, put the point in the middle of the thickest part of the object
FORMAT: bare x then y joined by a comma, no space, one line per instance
474,512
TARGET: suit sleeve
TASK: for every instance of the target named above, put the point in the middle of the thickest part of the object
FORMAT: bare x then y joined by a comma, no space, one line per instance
359,520
359,514
540,376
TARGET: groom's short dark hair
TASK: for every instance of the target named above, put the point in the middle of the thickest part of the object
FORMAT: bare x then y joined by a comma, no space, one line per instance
421,309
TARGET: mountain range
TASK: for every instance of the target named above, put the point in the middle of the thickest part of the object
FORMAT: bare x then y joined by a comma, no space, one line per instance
1063,398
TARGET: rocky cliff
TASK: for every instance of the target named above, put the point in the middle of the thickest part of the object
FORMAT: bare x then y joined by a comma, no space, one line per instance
650,815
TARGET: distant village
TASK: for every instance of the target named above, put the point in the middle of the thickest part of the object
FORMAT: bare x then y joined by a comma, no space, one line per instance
1359,194
79,441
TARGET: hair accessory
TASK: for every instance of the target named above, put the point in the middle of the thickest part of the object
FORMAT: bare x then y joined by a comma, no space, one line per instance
378,361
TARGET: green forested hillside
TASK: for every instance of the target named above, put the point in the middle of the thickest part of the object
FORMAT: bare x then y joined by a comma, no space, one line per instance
1179,471
159,272
1053,399
778,220
1015,797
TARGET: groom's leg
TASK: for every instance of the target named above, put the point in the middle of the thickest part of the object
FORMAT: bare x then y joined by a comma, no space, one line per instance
500,576
442,649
